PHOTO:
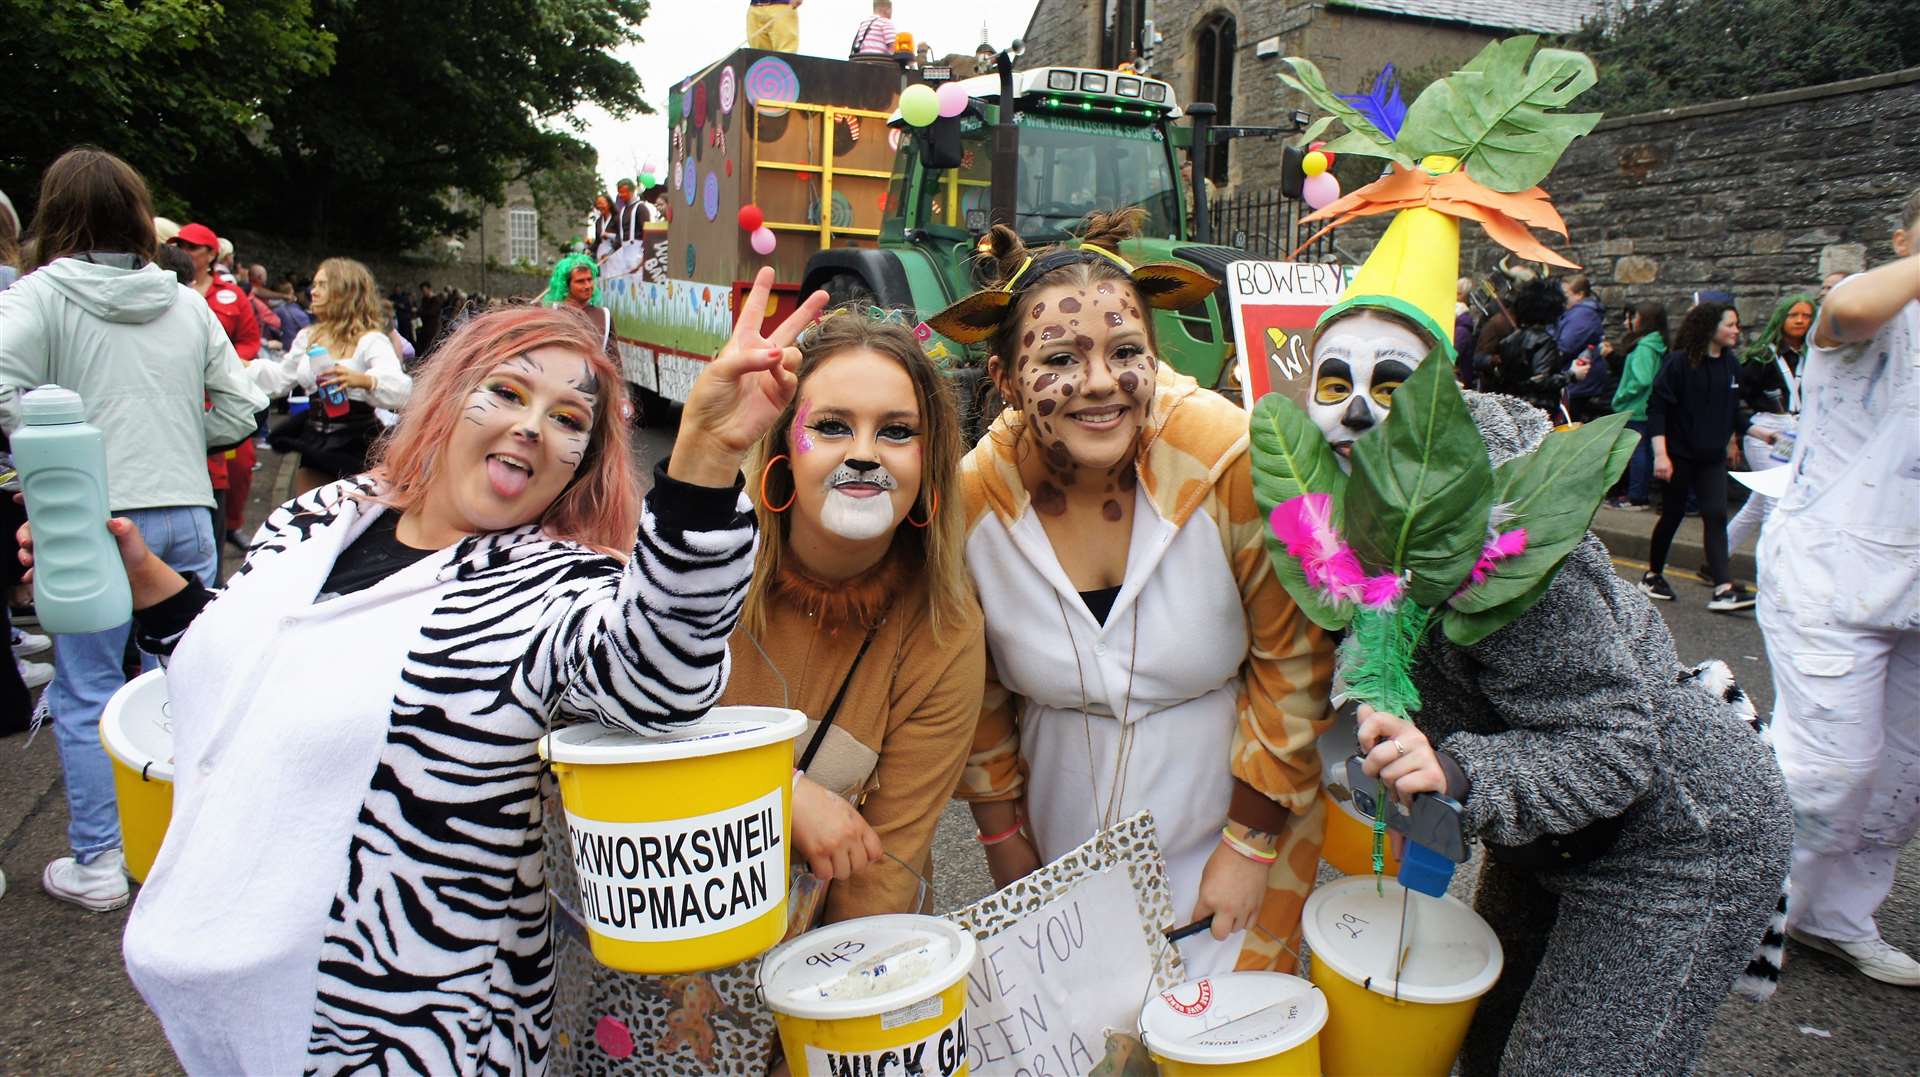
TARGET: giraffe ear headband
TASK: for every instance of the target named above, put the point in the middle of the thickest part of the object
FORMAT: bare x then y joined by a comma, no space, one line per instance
1163,285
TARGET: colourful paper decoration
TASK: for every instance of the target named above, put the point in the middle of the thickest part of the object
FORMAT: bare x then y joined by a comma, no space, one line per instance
726,90
771,79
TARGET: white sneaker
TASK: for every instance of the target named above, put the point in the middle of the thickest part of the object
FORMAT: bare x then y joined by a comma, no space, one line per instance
34,674
100,886
27,644
1876,958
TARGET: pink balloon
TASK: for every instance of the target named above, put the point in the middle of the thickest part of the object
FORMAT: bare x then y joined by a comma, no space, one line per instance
1320,190
762,240
953,99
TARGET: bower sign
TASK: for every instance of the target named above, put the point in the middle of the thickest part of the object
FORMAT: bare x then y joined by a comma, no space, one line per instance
1274,306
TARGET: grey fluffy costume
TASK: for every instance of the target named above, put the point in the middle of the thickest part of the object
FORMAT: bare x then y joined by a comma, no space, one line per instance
1576,713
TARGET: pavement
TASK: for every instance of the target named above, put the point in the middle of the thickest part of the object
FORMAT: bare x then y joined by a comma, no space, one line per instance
66,1006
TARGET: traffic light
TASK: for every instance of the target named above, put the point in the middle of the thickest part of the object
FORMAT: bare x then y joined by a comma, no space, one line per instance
1292,176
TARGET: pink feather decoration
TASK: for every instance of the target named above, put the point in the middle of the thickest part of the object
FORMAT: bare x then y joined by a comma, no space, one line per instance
1383,590
1304,524
1504,545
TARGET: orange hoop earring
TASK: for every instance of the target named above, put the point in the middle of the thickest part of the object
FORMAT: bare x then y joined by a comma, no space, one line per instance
933,509
764,500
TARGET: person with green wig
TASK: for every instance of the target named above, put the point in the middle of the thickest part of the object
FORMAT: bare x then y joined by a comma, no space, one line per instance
1769,375
576,283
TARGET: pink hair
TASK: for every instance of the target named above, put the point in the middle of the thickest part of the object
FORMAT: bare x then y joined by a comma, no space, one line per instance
600,508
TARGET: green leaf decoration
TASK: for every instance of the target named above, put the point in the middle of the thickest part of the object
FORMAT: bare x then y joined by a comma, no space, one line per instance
1493,113
1313,131
1290,457
1421,487
1467,629
1362,136
1553,492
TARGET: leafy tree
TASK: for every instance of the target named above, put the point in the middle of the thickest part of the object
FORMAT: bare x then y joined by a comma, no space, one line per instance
172,85
426,99
358,124
1655,54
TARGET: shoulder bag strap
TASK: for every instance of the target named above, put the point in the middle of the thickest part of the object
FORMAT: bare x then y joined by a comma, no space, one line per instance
833,709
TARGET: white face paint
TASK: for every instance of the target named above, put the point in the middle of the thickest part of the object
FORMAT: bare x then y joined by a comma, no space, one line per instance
1358,362
858,506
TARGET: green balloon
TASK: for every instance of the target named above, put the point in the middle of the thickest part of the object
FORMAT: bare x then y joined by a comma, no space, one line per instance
646,180
919,105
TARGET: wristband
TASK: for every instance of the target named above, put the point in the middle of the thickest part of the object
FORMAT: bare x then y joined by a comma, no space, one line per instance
995,839
1248,851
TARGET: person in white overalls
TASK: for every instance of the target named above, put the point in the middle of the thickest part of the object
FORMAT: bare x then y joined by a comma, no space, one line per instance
1840,607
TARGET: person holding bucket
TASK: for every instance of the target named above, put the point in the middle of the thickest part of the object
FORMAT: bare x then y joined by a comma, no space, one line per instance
1636,825
861,616
1143,655
353,877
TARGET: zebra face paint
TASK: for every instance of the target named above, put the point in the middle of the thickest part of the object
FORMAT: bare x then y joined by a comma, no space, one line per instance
521,438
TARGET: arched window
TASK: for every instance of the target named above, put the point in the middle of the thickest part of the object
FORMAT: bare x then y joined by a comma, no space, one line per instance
1213,52
1122,22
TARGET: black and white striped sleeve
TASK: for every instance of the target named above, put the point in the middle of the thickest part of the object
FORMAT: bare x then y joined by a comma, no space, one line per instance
648,649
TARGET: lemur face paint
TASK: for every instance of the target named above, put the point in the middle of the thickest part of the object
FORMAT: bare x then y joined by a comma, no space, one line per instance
1357,364
1083,375
522,436
858,474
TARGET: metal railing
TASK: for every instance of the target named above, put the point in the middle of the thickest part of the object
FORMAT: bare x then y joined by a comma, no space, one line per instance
1266,225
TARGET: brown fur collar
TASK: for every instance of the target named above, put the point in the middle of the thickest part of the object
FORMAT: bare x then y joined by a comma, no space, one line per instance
861,601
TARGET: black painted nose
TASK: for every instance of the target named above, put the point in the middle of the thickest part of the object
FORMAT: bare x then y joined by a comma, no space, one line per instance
863,466
1358,416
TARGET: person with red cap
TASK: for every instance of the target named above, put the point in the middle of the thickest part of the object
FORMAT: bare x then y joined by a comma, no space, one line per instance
232,471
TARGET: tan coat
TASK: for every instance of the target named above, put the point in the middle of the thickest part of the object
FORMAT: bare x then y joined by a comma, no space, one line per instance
905,727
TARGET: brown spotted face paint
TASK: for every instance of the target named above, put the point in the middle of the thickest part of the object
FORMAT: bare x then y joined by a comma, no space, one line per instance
1084,376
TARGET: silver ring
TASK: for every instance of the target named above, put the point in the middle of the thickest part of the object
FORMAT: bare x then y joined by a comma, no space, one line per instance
1401,748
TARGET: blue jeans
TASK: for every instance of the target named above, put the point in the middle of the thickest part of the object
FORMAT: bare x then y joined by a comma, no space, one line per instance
87,670
1640,467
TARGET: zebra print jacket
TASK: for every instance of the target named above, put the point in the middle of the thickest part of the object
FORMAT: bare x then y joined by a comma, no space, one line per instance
352,880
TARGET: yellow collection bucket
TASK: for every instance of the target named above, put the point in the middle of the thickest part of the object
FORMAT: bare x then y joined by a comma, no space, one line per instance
680,842
1413,1023
881,994
1348,845
137,731
1260,1024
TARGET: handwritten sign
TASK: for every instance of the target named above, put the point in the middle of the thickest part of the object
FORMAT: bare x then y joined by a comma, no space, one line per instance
1274,306
938,1055
1046,989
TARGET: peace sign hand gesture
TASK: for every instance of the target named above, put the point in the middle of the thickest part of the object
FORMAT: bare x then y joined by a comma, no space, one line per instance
742,391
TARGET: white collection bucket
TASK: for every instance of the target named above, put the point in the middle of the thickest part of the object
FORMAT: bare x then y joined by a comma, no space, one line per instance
1399,1002
881,994
1257,1024
680,842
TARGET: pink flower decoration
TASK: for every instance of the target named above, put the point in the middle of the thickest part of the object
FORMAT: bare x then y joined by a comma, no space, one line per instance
612,1036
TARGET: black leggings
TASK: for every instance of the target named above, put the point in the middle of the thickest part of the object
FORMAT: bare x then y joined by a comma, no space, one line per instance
1707,481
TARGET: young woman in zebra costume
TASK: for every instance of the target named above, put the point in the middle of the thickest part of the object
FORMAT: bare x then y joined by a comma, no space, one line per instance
353,879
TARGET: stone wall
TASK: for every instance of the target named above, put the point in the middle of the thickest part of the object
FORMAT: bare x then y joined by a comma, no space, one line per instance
1759,196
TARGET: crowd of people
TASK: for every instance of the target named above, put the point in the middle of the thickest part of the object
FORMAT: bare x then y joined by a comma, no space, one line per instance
1071,621
1706,399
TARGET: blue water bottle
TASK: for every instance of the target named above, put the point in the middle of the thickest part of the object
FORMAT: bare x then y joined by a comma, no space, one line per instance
333,398
79,582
